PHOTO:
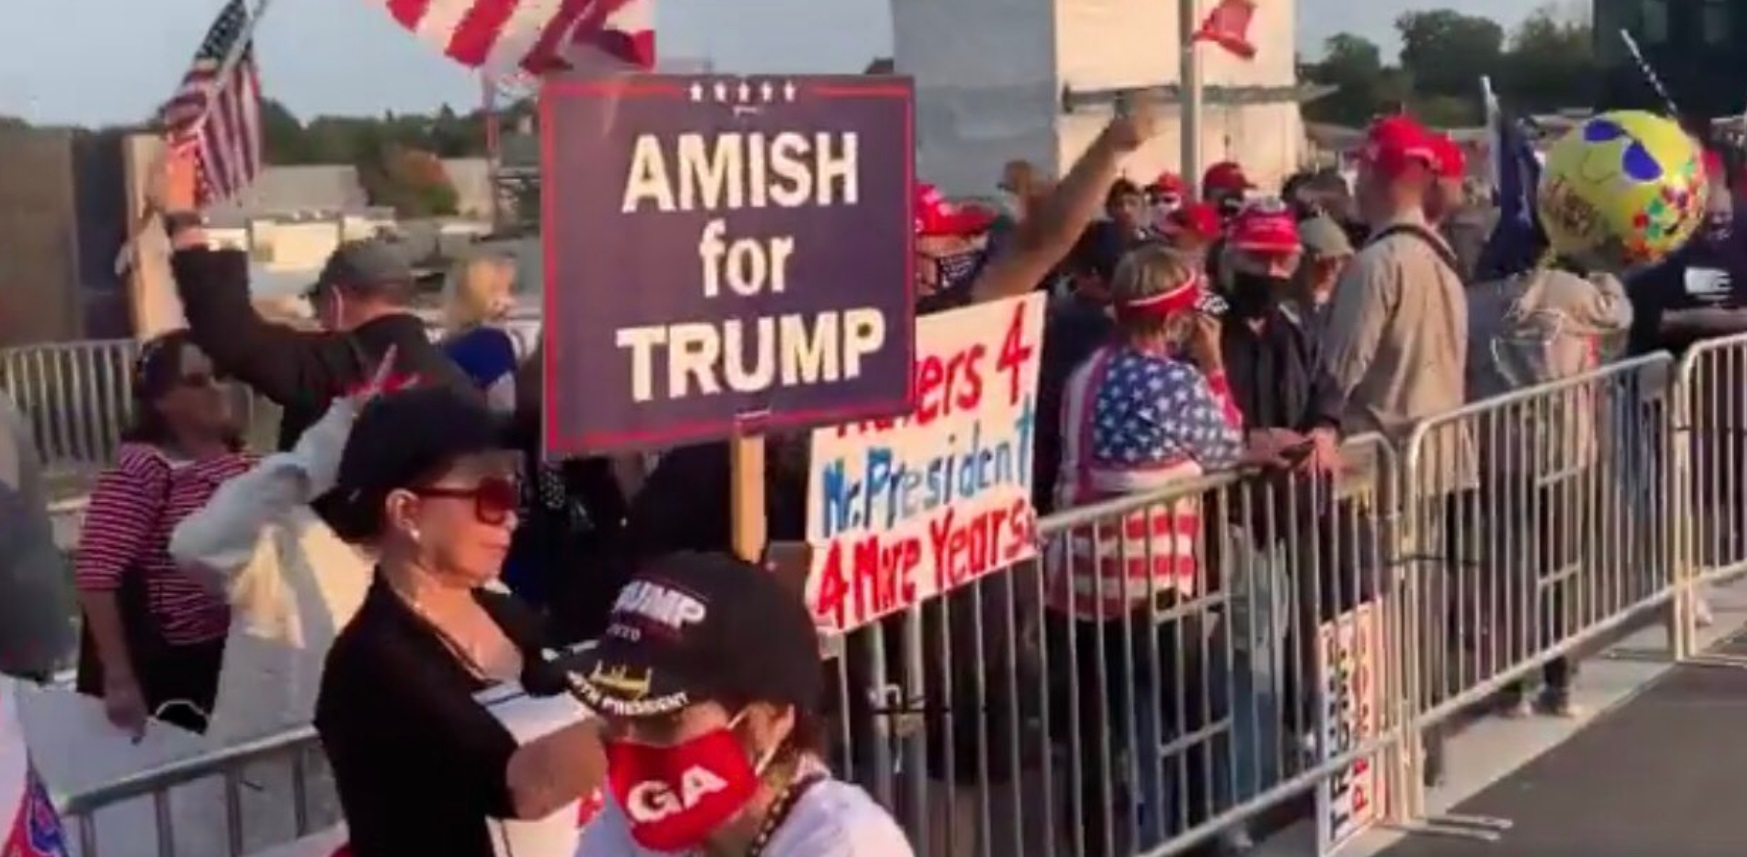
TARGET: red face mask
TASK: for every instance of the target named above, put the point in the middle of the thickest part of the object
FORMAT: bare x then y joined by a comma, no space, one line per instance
676,796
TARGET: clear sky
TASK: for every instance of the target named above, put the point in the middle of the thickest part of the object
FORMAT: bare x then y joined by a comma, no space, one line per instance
105,61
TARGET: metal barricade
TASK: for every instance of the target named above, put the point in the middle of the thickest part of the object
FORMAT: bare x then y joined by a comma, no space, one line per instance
1536,526
77,395
78,399
999,719
232,765
1709,447
1310,633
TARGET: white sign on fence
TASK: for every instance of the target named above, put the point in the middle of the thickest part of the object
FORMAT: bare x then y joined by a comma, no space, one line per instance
29,826
1348,668
899,510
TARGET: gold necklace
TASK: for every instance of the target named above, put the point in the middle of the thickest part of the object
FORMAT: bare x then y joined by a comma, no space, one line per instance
779,812
473,661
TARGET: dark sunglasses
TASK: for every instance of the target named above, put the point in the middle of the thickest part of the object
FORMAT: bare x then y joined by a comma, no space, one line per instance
495,498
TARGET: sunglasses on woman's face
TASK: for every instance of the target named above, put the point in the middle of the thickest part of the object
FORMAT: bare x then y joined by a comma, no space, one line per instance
495,498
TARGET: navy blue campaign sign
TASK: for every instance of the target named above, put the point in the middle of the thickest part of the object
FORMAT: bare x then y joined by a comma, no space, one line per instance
725,253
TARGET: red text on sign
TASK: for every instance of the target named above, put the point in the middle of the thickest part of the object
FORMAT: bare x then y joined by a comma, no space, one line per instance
876,575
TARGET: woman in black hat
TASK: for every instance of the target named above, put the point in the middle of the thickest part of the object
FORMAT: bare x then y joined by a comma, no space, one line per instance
422,767
153,638
709,681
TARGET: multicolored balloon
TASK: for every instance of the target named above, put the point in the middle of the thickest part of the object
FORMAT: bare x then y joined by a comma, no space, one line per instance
1622,189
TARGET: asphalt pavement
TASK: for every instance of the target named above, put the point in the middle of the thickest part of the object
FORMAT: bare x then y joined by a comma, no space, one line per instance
1662,775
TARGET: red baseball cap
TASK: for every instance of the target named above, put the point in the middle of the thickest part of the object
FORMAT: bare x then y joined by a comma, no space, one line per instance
1452,162
938,216
1265,227
1714,168
1394,143
1196,218
1167,182
1225,176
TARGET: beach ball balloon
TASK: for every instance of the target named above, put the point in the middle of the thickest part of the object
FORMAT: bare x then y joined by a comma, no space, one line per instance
1622,189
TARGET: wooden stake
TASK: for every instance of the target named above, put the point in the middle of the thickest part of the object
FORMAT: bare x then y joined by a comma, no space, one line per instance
746,498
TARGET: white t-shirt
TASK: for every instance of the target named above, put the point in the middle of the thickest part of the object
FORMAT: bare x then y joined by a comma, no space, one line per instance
832,819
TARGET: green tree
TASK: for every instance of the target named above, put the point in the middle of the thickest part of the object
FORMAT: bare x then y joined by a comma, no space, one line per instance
281,134
1445,53
1364,85
1551,63
411,181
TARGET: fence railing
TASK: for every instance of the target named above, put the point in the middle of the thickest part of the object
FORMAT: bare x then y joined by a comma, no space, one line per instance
78,398
1283,635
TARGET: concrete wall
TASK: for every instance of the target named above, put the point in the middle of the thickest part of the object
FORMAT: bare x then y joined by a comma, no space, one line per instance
989,76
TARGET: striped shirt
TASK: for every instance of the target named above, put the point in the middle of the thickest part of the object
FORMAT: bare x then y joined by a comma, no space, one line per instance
1136,423
134,508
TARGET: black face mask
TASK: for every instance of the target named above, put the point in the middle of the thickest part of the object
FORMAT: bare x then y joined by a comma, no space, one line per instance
1254,295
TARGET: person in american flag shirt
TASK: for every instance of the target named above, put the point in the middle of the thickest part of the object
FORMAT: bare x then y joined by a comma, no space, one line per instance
1147,411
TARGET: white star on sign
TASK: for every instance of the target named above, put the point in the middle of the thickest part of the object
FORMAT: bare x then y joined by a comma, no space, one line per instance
745,92
697,92
788,90
766,92
721,91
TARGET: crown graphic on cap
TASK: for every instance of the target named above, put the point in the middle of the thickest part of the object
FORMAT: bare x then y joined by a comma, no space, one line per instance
619,680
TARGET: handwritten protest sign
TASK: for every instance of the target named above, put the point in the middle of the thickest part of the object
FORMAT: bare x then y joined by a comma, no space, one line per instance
902,509
722,251
1349,660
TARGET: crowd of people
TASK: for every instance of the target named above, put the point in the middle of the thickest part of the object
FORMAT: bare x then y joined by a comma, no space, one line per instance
406,548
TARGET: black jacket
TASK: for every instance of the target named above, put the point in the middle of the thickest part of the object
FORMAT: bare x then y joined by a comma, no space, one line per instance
1275,376
301,371
1701,279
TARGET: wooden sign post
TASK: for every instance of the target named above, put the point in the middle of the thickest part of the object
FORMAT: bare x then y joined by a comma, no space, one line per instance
746,495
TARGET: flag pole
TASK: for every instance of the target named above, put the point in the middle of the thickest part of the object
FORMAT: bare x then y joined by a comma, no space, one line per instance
1189,103
125,259
1494,136
1649,73
493,147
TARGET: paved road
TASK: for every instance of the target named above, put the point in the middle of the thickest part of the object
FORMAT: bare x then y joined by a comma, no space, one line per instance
1659,776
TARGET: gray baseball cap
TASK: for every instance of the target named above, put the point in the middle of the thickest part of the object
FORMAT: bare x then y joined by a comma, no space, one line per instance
364,264
1324,238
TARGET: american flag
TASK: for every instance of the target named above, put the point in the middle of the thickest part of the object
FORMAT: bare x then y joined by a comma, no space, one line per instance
506,37
1135,423
1228,25
216,113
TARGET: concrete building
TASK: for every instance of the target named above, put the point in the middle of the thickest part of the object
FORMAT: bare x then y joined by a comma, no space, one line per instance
999,79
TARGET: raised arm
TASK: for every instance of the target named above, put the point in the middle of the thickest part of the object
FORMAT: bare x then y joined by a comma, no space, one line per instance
288,366
1044,238
291,367
225,534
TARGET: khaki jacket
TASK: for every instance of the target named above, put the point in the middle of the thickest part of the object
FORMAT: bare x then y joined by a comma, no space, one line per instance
1538,328
1397,346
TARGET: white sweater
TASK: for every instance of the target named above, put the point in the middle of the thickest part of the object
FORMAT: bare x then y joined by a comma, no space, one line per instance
292,583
